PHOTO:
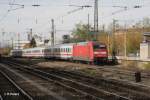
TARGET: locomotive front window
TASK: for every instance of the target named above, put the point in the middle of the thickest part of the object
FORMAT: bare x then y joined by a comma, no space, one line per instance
99,47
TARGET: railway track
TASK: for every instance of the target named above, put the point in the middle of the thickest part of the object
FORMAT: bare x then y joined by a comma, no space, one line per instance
9,90
48,89
113,73
120,90
119,87
119,72
90,91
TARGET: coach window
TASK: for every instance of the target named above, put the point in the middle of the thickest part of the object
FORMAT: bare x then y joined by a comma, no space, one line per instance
67,49
55,49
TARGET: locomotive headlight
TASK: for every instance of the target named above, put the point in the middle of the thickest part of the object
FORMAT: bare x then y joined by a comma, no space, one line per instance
96,52
101,52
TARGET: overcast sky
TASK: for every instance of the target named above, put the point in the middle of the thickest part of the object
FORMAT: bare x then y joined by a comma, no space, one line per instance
38,18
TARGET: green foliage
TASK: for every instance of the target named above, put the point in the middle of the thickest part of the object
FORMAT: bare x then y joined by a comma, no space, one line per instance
81,33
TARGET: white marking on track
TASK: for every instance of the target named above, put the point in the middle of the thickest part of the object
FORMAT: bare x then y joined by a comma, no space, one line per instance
1,97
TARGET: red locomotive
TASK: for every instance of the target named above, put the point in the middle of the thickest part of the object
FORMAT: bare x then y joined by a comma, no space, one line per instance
92,52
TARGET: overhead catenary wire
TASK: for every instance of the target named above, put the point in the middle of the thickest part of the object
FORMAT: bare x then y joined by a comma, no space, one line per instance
36,3
81,7
6,14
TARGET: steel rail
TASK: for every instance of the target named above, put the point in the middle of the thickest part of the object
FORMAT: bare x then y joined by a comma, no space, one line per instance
1,97
26,95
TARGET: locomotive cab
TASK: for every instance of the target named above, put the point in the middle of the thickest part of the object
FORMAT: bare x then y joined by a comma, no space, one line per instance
100,52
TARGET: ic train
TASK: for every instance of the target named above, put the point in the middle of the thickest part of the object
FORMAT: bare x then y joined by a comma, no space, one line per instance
83,51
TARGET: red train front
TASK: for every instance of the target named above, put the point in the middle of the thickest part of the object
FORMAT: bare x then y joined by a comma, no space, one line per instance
100,52
90,51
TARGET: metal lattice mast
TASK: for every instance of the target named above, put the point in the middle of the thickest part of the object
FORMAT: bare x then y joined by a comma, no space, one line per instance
96,16
52,33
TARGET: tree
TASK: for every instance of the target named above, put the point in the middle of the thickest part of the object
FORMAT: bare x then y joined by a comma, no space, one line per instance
81,33
33,43
134,39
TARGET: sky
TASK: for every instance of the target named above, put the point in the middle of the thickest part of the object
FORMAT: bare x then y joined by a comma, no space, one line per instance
16,20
